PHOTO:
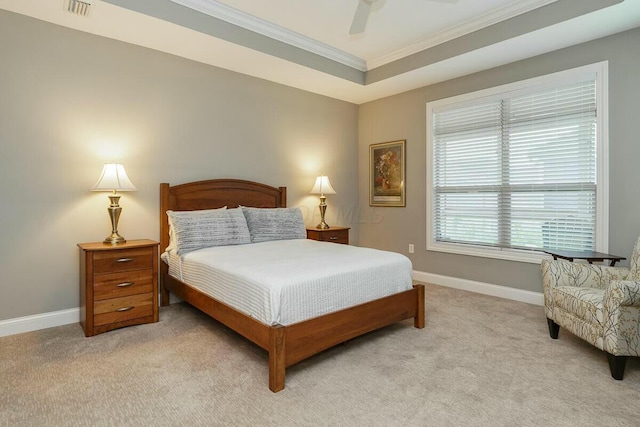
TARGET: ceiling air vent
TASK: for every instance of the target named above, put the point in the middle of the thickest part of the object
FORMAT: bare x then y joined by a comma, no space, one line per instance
79,7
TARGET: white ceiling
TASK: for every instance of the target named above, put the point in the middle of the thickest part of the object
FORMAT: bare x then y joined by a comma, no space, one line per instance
396,29
393,25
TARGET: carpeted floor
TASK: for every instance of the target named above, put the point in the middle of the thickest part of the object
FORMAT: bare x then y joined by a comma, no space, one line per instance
481,361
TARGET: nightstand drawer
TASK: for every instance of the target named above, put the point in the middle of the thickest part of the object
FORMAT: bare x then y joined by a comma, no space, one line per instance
334,235
124,308
122,260
122,284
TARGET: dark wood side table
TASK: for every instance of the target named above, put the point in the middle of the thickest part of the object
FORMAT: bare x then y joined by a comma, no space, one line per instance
118,285
590,256
333,234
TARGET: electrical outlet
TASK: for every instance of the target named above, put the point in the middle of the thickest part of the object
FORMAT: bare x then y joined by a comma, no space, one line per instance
411,248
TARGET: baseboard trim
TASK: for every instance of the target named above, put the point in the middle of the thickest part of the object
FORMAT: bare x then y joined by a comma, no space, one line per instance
39,321
506,292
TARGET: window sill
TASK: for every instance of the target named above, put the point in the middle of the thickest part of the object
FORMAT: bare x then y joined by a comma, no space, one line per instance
532,257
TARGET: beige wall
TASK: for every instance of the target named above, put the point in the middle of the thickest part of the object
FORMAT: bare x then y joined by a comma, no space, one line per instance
70,101
403,117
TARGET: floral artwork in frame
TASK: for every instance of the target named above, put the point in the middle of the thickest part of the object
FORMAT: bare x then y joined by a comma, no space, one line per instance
386,174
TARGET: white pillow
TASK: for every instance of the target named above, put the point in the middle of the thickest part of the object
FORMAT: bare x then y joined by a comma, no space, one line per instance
274,224
194,230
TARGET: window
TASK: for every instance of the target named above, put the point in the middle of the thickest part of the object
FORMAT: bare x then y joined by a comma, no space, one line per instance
519,168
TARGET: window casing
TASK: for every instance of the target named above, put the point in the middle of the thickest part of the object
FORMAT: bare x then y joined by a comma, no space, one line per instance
521,167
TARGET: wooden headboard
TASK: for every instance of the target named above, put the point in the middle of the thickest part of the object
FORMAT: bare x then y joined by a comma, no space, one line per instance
215,193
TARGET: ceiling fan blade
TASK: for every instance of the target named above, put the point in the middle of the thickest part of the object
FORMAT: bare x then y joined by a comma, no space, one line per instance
361,17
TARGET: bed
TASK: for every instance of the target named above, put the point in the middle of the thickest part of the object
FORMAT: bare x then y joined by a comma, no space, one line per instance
293,341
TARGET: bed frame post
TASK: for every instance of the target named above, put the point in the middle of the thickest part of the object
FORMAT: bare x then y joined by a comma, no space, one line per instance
164,241
283,197
418,320
276,358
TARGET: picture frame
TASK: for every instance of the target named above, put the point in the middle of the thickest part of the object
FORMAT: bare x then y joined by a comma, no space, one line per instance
387,174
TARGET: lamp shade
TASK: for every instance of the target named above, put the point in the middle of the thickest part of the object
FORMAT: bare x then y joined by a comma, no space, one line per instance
322,186
113,177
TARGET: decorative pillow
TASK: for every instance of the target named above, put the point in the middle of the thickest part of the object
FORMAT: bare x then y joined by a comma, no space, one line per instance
203,229
172,234
274,224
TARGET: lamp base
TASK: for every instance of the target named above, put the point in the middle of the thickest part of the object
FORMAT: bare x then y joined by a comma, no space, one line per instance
114,239
323,208
114,214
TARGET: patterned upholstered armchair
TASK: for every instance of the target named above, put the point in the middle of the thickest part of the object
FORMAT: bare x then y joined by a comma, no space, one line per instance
600,304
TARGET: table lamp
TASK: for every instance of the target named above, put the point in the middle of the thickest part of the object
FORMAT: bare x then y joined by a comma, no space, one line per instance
114,178
322,187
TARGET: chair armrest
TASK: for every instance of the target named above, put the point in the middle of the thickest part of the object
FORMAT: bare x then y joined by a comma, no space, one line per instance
622,292
621,313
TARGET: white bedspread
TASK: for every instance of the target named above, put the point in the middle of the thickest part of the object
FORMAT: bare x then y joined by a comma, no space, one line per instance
287,281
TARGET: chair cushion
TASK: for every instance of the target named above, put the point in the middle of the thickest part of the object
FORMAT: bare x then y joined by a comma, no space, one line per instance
585,303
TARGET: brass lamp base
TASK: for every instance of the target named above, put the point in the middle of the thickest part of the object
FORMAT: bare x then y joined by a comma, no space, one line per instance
323,208
114,239
114,210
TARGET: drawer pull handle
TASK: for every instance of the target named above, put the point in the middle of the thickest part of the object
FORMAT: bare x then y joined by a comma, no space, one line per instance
333,238
124,260
125,309
124,284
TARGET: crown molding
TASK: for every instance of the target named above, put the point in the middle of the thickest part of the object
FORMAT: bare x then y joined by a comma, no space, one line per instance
468,27
276,32
244,20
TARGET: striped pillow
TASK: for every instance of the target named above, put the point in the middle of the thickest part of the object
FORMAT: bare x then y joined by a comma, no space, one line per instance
274,224
206,228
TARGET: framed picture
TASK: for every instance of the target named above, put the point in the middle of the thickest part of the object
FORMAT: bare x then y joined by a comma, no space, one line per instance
386,174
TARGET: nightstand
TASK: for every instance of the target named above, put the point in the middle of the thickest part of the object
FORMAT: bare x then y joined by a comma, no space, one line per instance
333,234
118,285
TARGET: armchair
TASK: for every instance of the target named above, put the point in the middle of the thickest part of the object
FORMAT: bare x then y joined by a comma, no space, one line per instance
599,304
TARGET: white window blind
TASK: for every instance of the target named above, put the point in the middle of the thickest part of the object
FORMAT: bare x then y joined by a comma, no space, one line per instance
517,170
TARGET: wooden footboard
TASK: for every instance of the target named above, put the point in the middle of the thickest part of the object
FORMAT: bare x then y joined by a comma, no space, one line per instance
304,339
291,344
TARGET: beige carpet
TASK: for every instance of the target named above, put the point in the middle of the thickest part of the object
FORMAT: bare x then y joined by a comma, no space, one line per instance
481,361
